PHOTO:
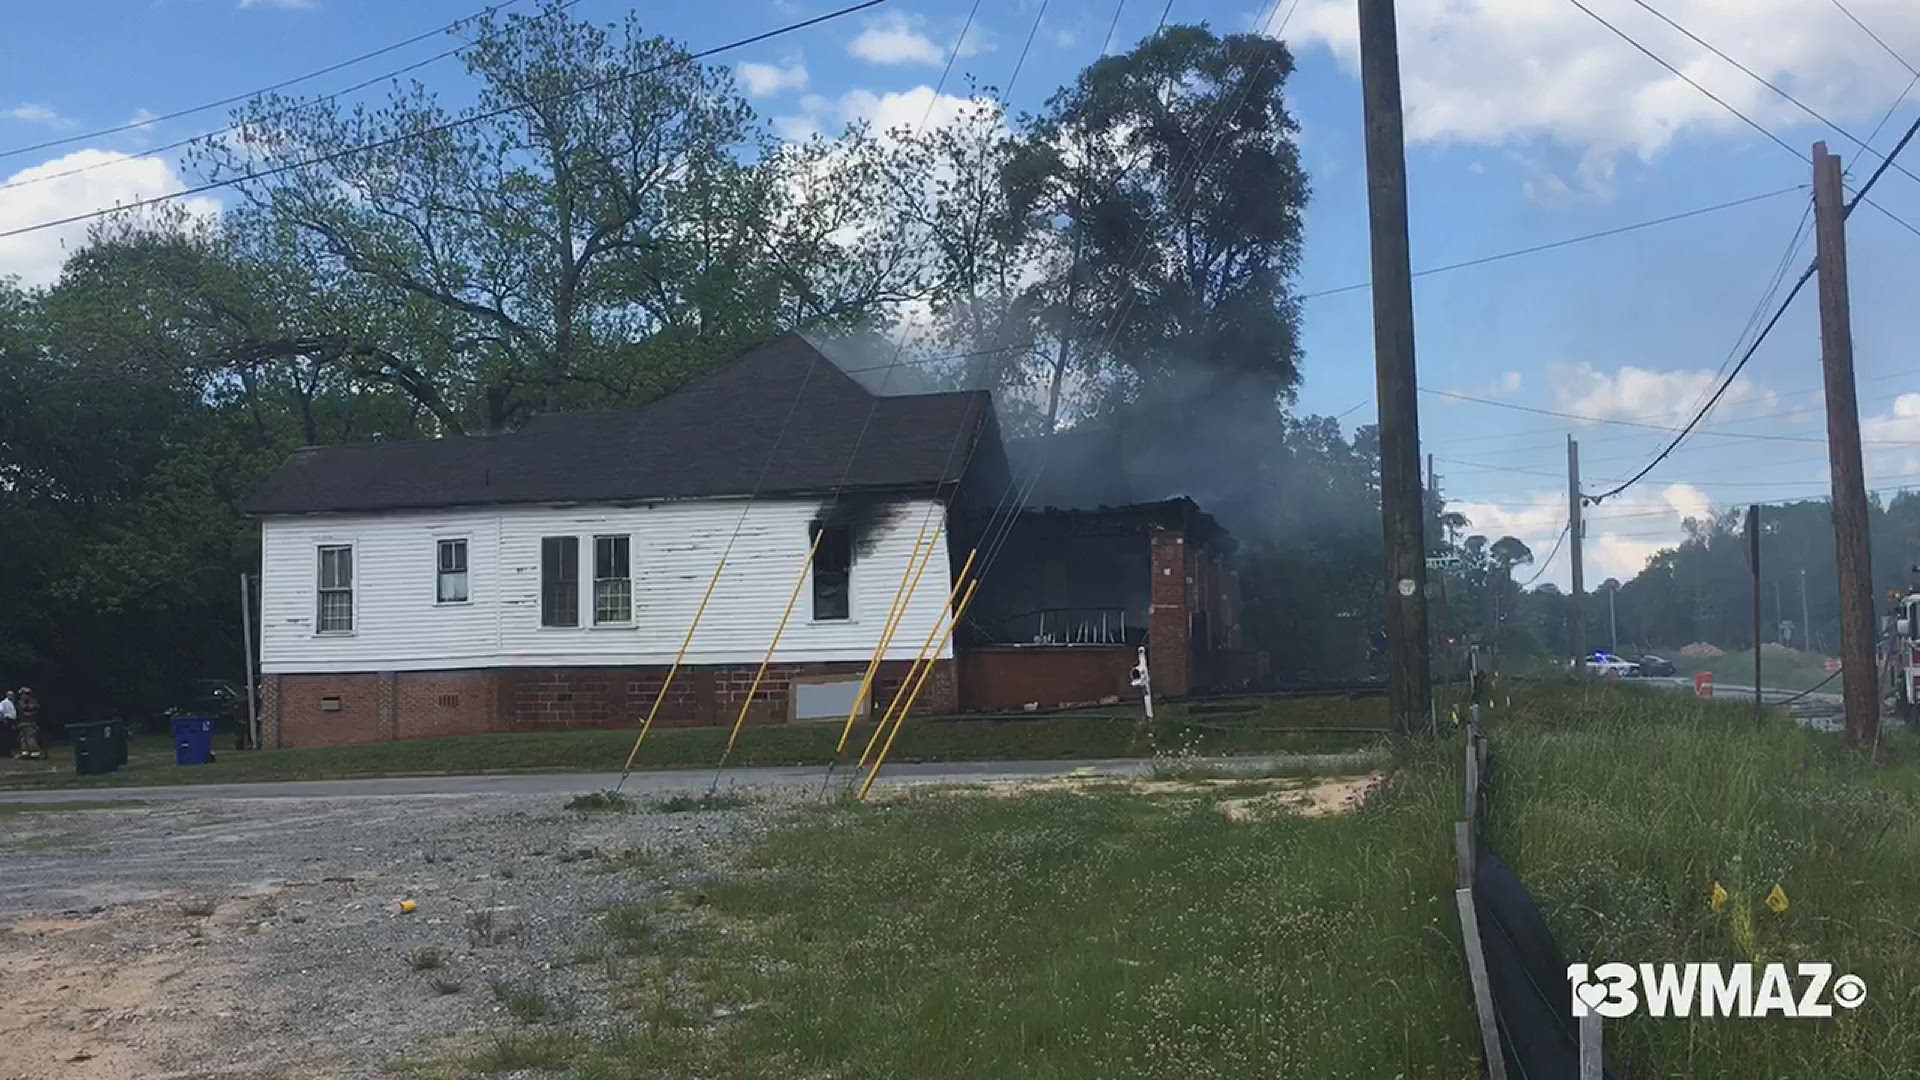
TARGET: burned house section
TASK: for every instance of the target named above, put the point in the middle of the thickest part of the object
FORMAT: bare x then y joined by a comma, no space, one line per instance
1073,594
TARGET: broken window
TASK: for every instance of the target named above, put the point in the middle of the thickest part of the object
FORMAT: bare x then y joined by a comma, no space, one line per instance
832,573
560,581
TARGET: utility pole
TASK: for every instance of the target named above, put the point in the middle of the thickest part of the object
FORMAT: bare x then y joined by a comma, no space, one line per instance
1806,624
1859,675
1410,686
1575,530
1753,556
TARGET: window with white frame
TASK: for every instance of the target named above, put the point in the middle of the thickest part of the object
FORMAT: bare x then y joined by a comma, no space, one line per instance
612,580
335,614
451,586
560,581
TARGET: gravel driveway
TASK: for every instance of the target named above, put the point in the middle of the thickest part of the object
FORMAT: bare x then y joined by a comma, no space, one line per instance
261,937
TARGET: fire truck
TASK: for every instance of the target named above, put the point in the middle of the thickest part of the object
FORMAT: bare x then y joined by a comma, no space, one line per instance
1900,659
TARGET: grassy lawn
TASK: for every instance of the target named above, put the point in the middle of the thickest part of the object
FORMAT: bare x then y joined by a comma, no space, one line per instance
1055,935
1620,807
1281,725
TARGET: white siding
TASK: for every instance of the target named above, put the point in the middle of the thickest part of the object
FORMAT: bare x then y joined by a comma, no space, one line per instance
399,627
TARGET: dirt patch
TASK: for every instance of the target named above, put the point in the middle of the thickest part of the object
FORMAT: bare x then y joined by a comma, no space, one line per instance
249,939
1316,798
1251,798
82,1004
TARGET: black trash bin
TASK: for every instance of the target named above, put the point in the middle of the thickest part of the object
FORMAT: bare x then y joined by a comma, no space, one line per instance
98,747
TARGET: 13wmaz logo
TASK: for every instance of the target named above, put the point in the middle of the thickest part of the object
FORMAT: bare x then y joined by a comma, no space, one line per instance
1616,990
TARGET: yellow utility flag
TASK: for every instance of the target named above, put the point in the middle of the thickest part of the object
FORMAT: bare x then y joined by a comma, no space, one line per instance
1777,900
1720,897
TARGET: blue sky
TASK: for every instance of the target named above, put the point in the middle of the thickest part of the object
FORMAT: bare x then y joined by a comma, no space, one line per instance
1528,122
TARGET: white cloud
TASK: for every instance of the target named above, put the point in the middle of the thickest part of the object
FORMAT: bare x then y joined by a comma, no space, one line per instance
1511,382
28,112
976,40
1900,424
895,40
1635,393
36,257
884,112
798,127
1499,71
1622,533
765,80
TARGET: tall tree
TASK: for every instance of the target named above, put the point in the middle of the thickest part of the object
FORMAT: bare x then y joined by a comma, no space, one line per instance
601,189
1173,175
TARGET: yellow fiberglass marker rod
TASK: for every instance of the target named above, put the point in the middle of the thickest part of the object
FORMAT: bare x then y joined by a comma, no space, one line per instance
647,724
917,687
909,581
919,658
741,720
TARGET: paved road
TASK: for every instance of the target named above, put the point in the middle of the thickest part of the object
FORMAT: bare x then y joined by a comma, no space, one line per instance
652,782
1819,709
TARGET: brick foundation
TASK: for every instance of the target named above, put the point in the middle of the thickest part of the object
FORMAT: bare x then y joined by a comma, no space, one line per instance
376,707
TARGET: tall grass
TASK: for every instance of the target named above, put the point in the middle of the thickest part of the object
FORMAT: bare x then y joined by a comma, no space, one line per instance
1621,807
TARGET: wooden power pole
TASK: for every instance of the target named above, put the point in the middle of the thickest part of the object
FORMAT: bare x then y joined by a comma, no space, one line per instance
1575,530
1410,687
1859,677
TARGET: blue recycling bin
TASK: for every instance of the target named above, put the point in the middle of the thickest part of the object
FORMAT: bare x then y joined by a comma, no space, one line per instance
193,740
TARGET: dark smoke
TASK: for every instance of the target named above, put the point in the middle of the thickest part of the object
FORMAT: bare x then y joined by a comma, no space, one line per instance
867,518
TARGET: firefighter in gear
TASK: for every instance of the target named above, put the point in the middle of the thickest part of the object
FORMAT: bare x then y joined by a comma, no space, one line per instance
29,725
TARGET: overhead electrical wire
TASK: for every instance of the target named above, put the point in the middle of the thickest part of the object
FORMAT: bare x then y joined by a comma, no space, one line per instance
1681,432
1845,212
295,107
1446,268
1541,570
1768,83
281,85
1877,39
434,129
1535,249
1718,100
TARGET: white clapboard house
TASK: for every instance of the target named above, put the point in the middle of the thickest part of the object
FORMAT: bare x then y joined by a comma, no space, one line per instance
546,578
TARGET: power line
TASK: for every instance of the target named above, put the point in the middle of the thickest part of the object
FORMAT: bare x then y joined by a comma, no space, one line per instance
434,129
1569,241
1763,81
1718,100
1915,72
1541,571
1478,261
1679,433
283,84
1845,212
295,107
1028,47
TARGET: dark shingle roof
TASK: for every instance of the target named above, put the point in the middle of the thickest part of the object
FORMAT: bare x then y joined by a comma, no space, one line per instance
713,438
